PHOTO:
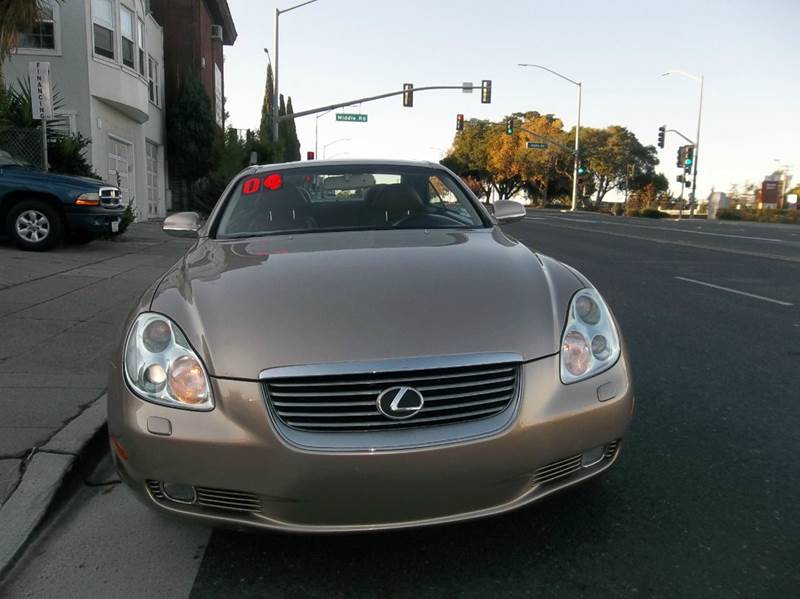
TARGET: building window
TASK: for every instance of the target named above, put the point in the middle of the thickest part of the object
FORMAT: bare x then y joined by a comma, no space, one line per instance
152,79
127,19
42,35
218,103
103,22
142,63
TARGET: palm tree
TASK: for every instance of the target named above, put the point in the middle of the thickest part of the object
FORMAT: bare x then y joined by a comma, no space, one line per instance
15,16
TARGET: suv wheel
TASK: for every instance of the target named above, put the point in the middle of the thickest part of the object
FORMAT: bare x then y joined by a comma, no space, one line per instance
35,225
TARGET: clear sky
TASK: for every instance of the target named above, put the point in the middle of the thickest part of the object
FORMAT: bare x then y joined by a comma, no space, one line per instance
336,50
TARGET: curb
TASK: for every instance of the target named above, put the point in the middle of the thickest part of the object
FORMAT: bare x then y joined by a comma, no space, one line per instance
44,476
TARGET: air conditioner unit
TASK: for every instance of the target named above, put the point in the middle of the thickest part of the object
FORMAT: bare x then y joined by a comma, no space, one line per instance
216,32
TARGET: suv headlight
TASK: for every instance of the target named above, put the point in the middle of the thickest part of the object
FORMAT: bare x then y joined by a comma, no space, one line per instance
590,343
161,366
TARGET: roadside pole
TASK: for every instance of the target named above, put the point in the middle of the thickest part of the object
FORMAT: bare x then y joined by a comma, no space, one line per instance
45,164
41,100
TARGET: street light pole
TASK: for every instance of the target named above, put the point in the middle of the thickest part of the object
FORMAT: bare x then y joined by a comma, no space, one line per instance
700,78
276,95
316,132
335,141
577,129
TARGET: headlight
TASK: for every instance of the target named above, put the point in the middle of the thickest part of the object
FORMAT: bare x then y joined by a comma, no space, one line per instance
161,366
590,343
88,199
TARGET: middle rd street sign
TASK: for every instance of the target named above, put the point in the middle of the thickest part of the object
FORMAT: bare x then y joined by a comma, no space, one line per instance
351,117
537,145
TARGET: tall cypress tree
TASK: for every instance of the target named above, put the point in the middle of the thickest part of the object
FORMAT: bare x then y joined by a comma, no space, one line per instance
265,129
283,133
292,142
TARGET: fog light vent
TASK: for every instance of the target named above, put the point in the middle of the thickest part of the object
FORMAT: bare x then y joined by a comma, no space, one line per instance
178,492
594,455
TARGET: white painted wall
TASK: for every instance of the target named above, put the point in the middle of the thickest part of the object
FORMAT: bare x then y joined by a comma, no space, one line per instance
108,102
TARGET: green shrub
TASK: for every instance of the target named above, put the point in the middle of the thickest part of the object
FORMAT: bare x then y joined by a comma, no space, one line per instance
729,214
651,213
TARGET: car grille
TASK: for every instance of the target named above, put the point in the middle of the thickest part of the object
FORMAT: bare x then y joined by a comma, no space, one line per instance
110,197
567,466
220,499
348,402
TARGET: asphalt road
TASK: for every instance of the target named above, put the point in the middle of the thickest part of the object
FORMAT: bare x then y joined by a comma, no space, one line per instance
702,503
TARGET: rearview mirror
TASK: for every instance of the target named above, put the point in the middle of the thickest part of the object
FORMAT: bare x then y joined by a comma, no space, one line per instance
508,211
182,224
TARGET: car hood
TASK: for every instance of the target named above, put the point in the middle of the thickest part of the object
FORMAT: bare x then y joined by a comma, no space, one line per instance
56,178
248,305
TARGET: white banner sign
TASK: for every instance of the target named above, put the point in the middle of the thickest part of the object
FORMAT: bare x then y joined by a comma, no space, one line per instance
41,91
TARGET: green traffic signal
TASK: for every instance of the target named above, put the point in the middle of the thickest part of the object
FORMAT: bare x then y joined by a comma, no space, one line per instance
581,170
510,126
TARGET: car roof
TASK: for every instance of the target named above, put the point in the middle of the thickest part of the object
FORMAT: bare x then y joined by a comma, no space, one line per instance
352,162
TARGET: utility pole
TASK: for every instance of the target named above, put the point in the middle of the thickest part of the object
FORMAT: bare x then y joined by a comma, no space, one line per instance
701,79
577,129
276,96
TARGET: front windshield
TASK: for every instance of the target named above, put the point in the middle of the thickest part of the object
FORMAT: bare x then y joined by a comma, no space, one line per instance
336,198
7,159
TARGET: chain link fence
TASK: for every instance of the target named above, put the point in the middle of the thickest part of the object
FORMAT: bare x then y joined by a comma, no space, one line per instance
23,144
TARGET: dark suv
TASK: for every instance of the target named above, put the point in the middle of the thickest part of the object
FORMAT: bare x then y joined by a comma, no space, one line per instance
38,209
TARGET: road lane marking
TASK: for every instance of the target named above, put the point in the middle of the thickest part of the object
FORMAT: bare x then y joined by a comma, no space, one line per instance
729,290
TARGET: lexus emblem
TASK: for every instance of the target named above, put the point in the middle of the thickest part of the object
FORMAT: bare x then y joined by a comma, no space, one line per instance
399,403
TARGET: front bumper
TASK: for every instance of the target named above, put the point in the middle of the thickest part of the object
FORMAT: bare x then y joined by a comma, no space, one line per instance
94,220
249,475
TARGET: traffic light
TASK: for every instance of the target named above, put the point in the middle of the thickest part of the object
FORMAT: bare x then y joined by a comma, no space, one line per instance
662,133
631,171
486,91
459,122
408,95
679,179
310,156
681,157
688,160
581,170
510,126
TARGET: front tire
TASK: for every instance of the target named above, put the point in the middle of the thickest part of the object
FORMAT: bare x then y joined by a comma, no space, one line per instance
35,225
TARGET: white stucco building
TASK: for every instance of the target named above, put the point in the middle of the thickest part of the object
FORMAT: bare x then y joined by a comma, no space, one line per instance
106,59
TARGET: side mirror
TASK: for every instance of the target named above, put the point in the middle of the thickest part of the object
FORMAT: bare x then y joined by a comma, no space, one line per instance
508,211
182,224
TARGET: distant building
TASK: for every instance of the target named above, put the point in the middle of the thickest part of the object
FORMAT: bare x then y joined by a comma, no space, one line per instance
196,30
106,60
717,200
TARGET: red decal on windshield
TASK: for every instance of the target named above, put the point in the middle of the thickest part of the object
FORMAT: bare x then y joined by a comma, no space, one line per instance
251,186
273,182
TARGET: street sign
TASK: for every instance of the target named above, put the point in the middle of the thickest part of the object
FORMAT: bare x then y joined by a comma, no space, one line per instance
351,118
536,145
41,91
467,87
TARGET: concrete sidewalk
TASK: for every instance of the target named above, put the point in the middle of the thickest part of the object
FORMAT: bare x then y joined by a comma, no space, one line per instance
60,315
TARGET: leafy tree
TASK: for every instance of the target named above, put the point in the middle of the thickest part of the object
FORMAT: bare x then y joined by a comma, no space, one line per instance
514,166
292,142
191,132
607,154
469,156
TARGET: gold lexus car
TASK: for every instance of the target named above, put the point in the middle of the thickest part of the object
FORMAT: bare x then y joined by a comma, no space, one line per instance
357,345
